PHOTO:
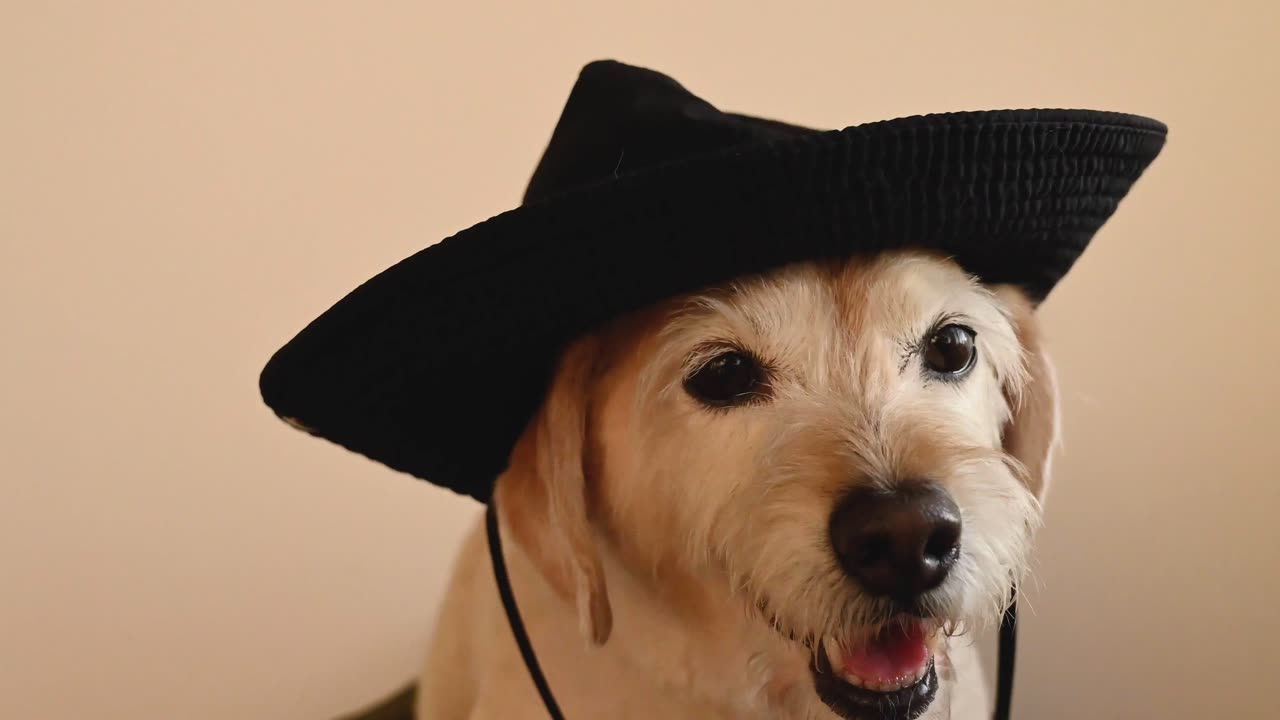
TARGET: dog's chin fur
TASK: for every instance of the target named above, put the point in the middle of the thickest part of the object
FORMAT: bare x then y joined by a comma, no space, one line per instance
673,560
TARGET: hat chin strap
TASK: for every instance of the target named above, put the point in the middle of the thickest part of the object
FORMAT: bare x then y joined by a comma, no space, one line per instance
513,613
1008,648
1004,679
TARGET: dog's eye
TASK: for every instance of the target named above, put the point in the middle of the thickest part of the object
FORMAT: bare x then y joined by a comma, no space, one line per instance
951,350
728,379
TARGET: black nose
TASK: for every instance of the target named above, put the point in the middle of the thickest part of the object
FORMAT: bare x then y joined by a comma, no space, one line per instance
898,543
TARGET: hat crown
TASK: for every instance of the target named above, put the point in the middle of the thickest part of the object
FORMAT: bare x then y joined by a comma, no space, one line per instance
620,119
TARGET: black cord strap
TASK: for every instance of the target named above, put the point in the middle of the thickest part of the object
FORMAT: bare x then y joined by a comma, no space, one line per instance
1008,648
513,613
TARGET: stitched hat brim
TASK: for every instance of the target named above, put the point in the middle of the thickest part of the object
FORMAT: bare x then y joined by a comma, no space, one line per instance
435,366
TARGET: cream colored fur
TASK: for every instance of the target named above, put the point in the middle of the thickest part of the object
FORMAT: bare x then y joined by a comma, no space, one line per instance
664,555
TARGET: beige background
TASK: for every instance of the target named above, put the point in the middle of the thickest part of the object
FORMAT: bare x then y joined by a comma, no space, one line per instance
183,186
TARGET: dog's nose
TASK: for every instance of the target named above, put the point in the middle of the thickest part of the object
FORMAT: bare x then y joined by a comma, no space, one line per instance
898,543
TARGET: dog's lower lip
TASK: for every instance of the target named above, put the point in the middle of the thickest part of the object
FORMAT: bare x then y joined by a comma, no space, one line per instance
852,699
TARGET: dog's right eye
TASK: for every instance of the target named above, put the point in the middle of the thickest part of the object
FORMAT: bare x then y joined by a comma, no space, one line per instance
951,351
726,380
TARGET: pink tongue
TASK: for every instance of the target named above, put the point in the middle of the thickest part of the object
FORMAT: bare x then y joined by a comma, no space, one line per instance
894,652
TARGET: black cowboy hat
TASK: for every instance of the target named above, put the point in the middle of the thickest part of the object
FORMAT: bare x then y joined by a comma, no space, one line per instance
435,366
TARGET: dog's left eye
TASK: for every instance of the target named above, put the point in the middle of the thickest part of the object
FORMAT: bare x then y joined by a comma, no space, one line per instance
951,350
729,379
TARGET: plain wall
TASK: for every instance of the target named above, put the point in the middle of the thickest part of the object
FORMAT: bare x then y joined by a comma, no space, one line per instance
184,185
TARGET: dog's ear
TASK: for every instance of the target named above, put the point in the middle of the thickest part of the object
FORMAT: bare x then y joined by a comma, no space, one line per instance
1032,434
543,494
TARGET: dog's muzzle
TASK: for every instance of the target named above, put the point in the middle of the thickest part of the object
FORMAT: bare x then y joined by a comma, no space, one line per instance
897,544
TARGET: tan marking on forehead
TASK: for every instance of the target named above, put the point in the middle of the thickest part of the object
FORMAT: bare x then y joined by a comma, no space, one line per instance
849,285
864,291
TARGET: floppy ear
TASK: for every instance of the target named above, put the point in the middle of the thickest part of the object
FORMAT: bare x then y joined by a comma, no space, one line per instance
543,494
1032,434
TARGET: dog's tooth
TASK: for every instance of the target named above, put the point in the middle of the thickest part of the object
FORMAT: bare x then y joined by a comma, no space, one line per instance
834,654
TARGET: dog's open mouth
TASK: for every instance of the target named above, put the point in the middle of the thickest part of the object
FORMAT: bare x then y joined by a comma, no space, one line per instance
888,676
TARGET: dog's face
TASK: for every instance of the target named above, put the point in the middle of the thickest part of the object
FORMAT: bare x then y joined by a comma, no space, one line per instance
818,474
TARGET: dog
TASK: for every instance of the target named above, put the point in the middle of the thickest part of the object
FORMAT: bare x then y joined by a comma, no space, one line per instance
794,496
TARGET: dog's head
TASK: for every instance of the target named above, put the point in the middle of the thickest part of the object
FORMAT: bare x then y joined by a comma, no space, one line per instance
817,474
